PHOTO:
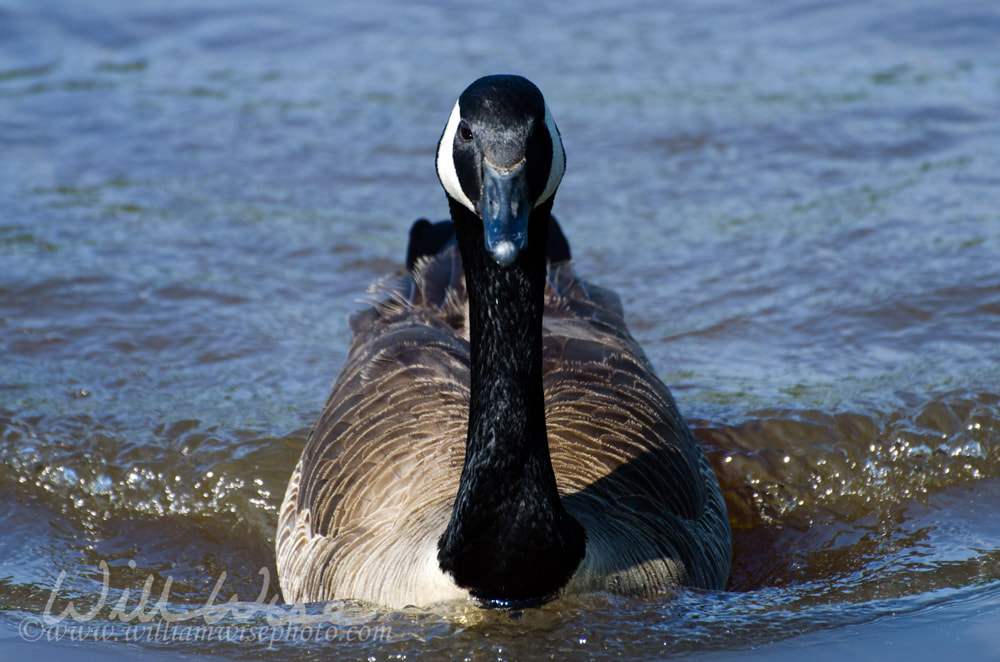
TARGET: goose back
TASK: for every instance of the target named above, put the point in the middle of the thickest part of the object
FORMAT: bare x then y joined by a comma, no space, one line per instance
376,483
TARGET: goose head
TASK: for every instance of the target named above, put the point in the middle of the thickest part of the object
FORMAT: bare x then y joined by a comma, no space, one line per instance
501,157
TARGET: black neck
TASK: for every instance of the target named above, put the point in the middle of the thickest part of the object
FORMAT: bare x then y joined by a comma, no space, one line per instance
509,538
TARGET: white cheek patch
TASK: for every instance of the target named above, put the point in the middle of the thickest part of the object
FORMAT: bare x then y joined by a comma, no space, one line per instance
446,161
558,159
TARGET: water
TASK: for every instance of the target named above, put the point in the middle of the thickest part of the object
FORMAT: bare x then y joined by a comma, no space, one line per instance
797,202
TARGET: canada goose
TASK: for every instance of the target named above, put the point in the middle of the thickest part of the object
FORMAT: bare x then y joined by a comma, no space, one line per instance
495,432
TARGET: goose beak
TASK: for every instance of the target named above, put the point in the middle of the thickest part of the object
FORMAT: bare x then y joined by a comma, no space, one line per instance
504,209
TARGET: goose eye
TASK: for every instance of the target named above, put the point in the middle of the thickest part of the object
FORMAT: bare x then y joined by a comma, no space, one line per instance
464,131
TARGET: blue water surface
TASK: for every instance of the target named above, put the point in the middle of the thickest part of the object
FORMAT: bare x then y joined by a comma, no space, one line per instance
797,201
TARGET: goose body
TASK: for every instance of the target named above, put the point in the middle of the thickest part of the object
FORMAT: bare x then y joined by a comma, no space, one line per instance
495,432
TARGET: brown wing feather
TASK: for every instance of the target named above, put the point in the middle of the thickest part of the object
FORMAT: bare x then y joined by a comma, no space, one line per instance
381,468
